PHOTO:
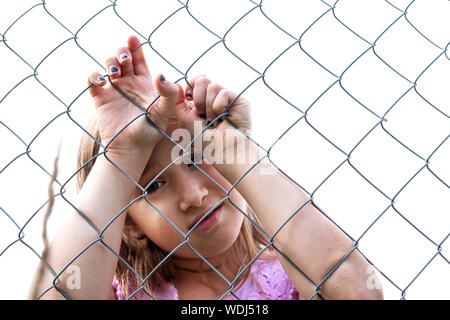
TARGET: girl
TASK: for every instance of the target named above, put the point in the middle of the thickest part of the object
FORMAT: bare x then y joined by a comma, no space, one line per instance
187,226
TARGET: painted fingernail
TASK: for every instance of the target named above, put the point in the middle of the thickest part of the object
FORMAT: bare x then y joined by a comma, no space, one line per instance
123,57
208,122
203,115
113,69
100,79
162,78
188,94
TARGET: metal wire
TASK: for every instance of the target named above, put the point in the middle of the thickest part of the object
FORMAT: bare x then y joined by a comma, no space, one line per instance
73,36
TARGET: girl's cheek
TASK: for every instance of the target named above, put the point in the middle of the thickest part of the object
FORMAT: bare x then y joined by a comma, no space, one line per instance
144,215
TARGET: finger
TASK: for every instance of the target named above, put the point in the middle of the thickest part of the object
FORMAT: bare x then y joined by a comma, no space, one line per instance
211,94
97,81
238,112
190,87
139,63
113,67
181,109
199,94
123,56
188,93
170,95
223,99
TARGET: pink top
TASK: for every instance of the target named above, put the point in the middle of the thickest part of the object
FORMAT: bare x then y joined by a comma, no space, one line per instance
266,281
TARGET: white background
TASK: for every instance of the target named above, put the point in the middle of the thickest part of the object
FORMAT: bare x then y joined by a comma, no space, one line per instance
395,247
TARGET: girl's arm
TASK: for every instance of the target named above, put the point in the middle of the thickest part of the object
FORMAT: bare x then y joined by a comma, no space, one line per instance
309,239
104,194
130,140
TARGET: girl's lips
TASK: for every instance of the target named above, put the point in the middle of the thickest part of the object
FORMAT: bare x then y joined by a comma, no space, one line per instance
210,221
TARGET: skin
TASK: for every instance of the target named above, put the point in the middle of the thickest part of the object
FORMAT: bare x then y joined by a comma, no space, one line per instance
182,192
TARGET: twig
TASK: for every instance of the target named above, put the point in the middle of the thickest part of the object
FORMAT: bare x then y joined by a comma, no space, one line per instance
35,288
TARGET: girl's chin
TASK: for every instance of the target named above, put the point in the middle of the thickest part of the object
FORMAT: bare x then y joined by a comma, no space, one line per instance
214,244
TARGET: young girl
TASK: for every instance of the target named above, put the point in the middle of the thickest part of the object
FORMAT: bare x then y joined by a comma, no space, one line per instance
188,230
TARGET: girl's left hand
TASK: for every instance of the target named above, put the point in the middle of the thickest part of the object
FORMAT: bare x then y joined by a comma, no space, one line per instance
211,101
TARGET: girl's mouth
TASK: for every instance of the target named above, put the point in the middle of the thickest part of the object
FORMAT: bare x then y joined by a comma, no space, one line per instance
209,222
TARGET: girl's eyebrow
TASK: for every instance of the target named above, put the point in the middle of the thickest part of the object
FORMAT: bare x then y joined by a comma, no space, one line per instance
152,170
149,173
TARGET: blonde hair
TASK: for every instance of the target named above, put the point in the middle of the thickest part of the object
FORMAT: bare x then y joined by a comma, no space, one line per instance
141,253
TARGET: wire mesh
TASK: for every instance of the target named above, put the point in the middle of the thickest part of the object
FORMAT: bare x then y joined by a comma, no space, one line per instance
371,49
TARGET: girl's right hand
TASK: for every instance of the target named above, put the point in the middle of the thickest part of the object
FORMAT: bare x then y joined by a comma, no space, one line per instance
129,72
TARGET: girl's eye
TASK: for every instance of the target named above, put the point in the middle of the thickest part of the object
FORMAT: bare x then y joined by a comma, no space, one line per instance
154,186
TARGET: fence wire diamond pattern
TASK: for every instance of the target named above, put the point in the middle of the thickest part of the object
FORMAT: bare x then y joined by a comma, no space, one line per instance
337,59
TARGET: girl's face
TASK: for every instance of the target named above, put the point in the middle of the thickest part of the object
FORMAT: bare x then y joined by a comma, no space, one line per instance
184,194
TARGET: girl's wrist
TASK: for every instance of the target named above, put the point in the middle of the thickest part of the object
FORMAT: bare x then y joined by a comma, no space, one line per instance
245,156
131,162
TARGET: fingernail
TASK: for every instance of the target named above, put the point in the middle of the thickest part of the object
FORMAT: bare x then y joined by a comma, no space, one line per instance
100,79
162,78
203,115
113,69
208,122
123,57
188,94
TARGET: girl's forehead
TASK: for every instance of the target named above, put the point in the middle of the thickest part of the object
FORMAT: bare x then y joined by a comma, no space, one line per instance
166,150
163,149
160,158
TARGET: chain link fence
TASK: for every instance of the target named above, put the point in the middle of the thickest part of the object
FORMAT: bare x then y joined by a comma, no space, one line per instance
362,121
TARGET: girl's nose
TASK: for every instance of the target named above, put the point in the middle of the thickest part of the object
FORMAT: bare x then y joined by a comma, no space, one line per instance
192,190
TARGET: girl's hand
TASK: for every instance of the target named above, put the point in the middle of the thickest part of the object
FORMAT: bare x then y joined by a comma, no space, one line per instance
211,100
128,71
